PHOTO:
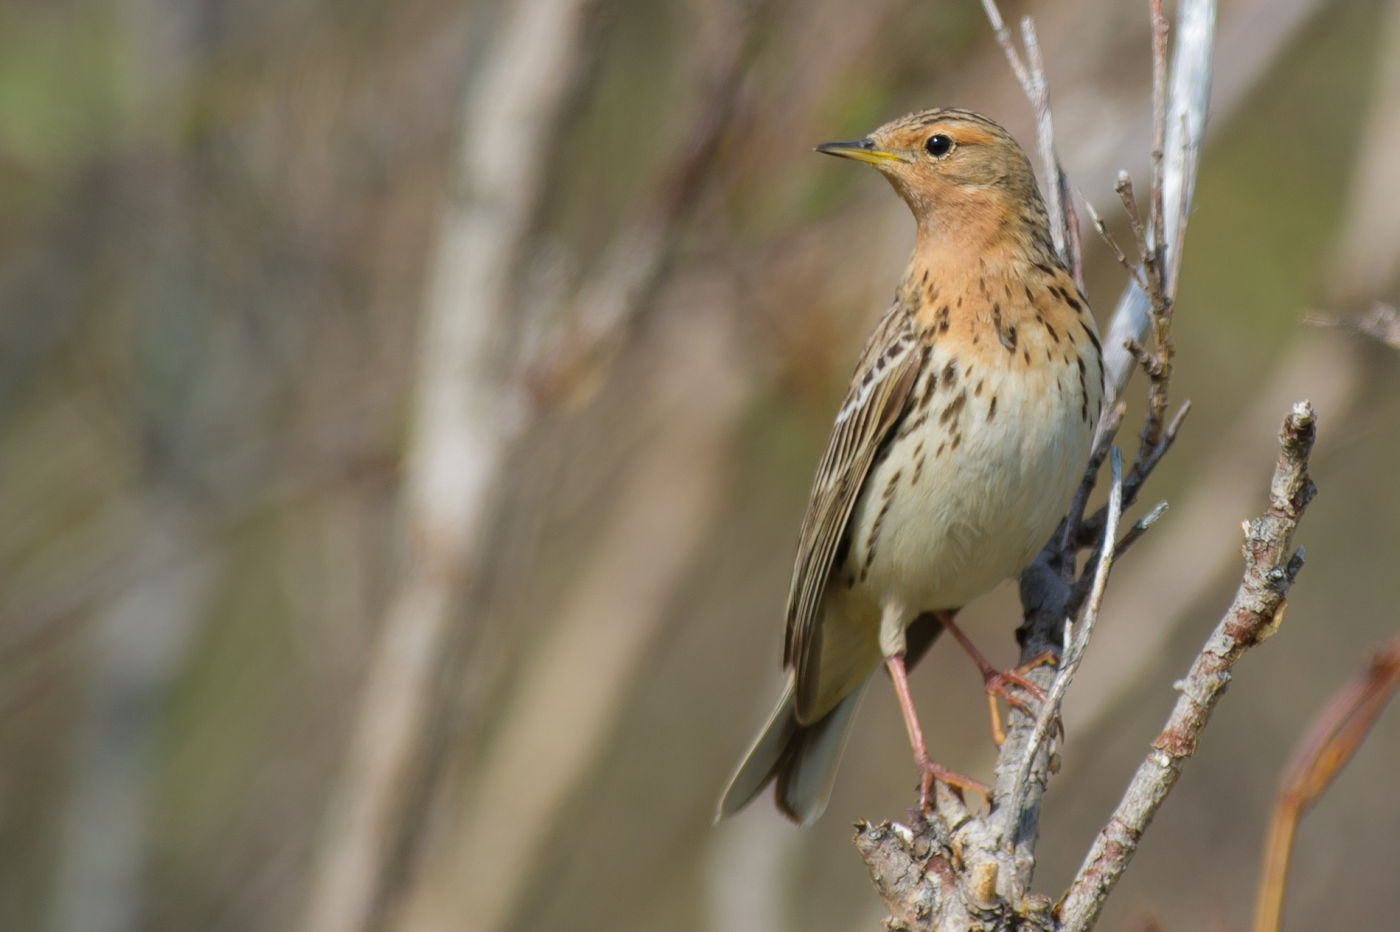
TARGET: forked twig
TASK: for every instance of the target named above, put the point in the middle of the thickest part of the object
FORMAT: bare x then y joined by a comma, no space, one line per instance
1130,266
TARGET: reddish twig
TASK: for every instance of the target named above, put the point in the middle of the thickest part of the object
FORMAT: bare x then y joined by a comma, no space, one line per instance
1328,746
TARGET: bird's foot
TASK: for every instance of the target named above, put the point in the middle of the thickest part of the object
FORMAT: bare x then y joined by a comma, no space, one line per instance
929,772
1001,683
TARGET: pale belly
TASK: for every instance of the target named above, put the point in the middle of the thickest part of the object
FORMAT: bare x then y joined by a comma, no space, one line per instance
965,501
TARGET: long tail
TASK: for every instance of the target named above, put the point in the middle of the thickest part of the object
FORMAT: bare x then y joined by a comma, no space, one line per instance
800,759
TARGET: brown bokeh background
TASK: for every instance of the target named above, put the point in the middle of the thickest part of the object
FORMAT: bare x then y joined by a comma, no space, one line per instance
217,225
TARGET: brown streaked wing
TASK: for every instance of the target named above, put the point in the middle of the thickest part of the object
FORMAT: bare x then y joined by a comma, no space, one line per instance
871,411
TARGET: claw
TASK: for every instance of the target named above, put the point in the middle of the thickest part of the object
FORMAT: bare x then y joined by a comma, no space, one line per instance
929,772
999,683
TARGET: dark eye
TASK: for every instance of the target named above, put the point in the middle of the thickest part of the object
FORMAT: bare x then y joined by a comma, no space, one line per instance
938,145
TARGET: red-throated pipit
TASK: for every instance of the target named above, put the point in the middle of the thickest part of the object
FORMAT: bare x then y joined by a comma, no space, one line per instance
955,454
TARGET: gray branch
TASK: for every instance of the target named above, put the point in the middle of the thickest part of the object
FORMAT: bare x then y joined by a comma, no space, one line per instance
1271,564
466,423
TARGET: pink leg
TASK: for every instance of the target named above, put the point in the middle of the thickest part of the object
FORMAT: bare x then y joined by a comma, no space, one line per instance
928,770
999,683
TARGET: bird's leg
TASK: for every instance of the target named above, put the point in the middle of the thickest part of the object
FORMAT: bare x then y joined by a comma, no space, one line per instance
928,770
999,682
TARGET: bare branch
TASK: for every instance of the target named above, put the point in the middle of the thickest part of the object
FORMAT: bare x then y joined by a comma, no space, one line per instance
1140,527
1062,232
463,433
1187,101
1271,564
1064,225
1157,241
611,302
1073,656
1109,241
1066,539
1137,476
1013,57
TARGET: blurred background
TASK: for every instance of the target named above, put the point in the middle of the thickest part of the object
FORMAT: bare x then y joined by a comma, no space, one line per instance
407,412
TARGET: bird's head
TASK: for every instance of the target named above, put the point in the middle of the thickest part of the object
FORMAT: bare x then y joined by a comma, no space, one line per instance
954,168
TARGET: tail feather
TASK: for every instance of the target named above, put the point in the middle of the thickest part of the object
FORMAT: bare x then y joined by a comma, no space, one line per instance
801,760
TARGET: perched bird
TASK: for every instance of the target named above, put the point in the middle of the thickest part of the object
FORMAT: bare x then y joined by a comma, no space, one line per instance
960,443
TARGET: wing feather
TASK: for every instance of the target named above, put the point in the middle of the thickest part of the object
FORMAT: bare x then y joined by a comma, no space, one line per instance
874,405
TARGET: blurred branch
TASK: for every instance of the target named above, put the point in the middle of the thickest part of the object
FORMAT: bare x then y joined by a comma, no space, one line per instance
1366,255
582,667
140,639
494,842
611,301
1380,323
464,428
1328,746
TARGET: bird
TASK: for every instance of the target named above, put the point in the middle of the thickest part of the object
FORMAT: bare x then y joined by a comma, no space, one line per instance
964,433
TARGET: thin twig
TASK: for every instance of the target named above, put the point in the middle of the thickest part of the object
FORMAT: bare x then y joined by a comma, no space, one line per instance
1074,655
1030,74
1271,564
1061,231
1123,260
1123,187
1187,103
1066,539
1157,244
1137,476
1076,244
1003,35
1140,527
1330,742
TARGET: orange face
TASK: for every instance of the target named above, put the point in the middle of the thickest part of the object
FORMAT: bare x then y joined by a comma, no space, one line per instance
939,157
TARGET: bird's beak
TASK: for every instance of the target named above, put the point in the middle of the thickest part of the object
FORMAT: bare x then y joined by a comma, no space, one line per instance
862,150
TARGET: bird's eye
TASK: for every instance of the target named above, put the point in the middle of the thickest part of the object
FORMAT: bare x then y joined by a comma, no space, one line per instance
938,145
